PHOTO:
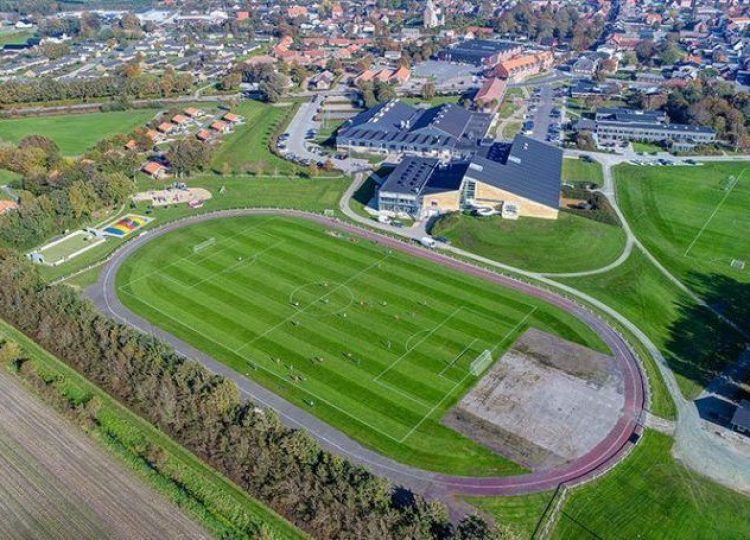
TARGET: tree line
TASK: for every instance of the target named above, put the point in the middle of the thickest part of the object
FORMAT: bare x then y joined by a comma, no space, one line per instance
118,86
324,494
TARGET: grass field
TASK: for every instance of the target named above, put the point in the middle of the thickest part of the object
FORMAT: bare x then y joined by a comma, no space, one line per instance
693,340
239,192
15,38
75,133
647,147
695,221
249,143
569,244
650,495
200,491
578,170
376,343
521,514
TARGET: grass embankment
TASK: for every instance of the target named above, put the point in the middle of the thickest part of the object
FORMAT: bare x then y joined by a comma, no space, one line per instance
315,195
521,514
579,170
75,133
247,149
688,336
568,244
650,495
694,221
223,508
373,342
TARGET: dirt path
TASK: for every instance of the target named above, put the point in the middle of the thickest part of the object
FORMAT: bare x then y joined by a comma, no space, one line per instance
57,483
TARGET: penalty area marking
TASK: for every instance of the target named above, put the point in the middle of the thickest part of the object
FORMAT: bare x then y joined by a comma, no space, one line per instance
186,258
713,214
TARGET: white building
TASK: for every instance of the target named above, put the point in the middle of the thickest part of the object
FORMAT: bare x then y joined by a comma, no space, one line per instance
433,16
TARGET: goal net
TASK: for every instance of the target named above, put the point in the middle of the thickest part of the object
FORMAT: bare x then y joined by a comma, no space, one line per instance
480,363
203,245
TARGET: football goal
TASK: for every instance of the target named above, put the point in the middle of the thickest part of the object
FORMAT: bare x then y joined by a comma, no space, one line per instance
480,363
204,245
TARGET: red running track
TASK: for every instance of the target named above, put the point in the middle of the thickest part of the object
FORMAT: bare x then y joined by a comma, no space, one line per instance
605,454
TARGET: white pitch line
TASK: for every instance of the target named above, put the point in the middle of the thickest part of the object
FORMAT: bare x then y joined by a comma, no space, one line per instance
263,368
516,327
448,394
231,267
452,362
402,393
716,210
298,311
397,360
186,257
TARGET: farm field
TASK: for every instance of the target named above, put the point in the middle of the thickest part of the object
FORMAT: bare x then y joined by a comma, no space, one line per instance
75,133
376,343
569,244
248,145
199,491
578,170
651,495
55,479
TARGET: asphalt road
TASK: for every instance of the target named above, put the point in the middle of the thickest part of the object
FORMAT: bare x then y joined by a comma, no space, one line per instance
605,454
303,122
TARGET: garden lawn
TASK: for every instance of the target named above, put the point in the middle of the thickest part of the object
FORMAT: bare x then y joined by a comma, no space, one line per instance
579,170
652,496
647,147
249,144
568,244
376,343
75,133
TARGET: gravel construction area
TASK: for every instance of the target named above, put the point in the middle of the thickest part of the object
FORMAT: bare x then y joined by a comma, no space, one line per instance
545,403
57,483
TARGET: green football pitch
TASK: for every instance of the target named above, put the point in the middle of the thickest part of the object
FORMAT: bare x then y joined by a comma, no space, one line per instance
377,343
692,218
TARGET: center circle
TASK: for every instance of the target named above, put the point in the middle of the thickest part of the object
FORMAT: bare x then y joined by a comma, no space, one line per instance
322,298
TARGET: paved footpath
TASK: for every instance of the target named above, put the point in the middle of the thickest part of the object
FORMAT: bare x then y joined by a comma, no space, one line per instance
608,452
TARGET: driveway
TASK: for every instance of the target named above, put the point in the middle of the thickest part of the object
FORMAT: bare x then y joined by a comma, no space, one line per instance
297,145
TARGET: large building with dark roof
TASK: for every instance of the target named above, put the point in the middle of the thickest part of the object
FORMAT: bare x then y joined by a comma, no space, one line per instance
444,131
480,52
525,174
618,124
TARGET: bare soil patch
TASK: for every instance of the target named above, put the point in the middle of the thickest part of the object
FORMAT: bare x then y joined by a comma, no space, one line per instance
57,483
545,403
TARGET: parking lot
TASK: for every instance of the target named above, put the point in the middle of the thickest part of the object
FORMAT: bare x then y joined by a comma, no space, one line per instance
546,114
